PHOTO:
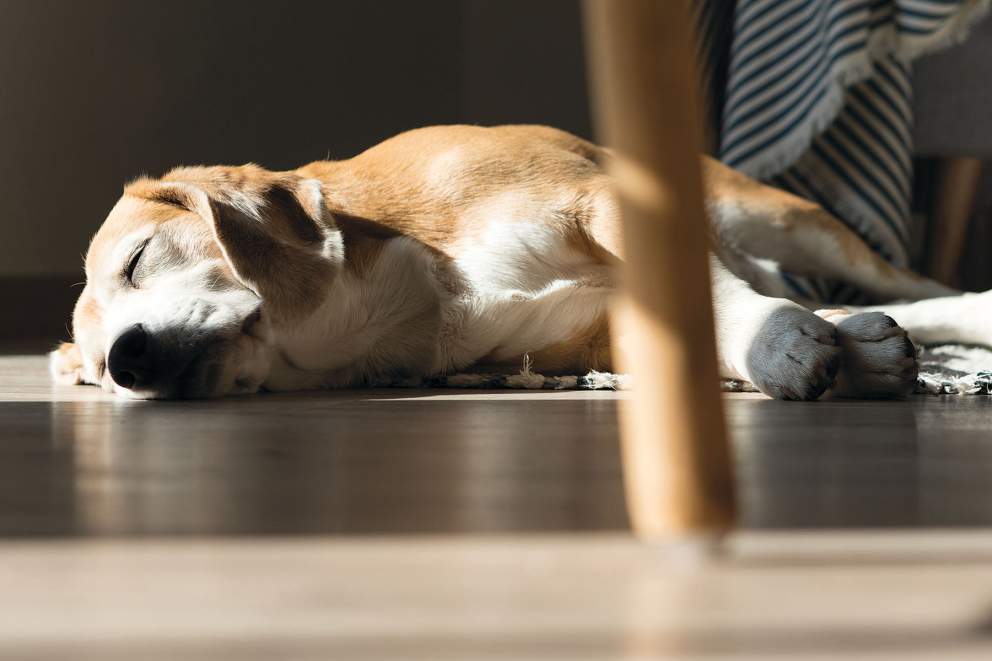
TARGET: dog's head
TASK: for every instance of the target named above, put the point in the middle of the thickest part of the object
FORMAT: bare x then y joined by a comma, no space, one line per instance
191,278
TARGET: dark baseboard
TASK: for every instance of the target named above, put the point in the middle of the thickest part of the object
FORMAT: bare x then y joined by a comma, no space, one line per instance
36,311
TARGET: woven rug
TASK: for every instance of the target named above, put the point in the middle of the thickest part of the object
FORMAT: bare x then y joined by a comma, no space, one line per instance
951,369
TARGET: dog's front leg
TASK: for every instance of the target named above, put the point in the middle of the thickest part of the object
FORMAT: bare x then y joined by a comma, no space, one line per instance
789,352
964,318
785,350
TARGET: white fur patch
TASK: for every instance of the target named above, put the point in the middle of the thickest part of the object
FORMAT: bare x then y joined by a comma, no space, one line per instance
521,289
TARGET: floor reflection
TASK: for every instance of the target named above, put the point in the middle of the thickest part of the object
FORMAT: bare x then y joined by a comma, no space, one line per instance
416,462
355,465
925,462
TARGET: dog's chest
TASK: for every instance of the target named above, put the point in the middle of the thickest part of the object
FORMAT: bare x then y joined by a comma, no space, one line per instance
527,289
515,289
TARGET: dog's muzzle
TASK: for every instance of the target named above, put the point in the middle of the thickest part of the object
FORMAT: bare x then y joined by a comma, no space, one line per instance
141,362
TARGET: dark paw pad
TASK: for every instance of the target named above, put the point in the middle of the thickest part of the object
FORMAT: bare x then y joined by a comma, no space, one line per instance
879,359
794,355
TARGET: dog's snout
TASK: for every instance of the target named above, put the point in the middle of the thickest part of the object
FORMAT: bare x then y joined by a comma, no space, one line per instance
129,360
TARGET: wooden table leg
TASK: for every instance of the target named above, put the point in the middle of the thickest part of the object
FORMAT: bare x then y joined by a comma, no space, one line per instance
957,185
677,466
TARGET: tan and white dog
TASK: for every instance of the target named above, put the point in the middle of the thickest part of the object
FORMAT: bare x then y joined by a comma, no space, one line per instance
454,248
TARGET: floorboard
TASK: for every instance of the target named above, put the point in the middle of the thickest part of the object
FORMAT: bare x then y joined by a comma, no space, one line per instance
790,596
77,462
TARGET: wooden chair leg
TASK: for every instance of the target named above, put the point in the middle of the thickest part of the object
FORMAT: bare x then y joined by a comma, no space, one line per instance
956,189
677,466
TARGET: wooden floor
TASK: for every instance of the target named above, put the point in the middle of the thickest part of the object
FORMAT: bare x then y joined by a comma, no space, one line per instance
75,461
452,524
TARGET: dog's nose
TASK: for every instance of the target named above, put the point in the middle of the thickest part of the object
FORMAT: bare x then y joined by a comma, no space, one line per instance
129,361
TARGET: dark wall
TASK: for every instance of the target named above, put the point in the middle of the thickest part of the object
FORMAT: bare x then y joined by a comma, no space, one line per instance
524,63
96,92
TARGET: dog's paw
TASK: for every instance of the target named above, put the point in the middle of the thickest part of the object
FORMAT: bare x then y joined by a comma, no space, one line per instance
794,355
879,359
65,364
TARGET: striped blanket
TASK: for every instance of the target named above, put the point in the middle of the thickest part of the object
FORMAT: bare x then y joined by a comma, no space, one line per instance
813,96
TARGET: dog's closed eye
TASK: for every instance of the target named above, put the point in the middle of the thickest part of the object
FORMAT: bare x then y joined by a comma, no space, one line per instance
132,264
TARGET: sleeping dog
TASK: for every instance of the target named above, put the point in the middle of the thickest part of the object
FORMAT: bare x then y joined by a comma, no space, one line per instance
458,248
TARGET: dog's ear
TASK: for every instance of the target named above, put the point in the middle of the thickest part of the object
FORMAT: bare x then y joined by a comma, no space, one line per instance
274,232
66,365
